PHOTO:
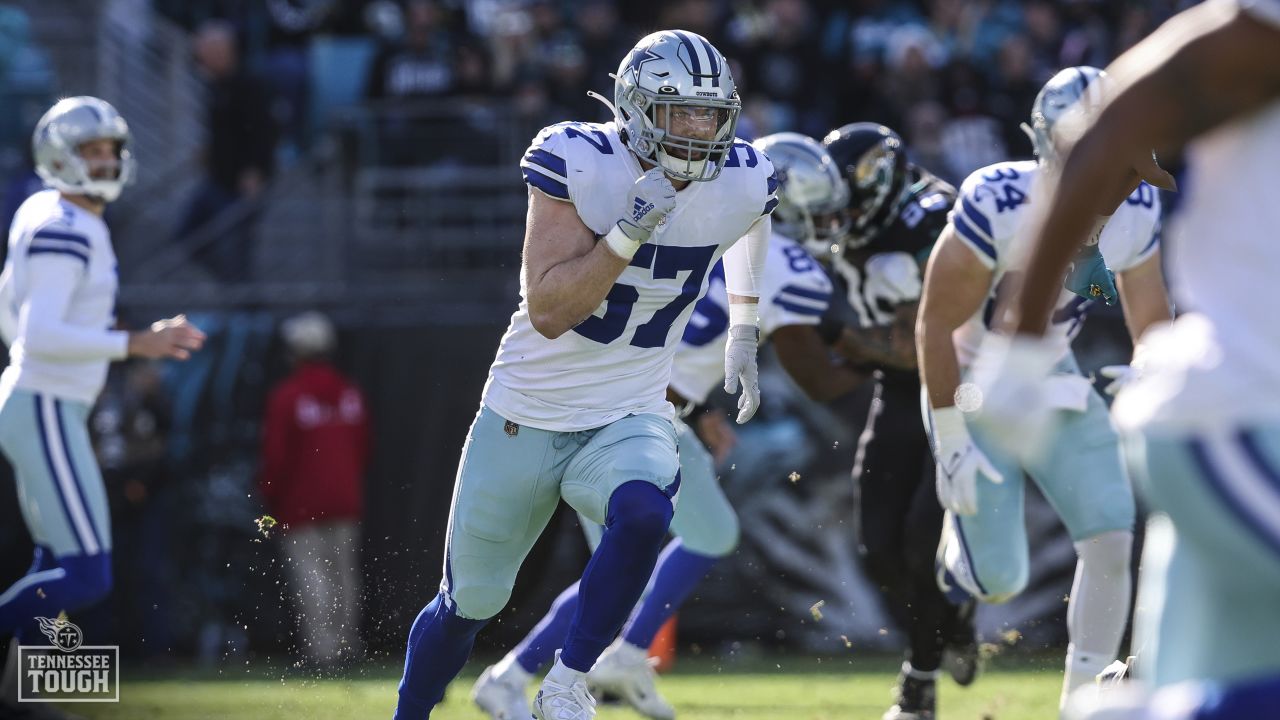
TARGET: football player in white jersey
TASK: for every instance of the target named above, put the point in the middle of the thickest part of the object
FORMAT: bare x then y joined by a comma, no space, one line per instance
625,221
981,481
794,297
1201,423
57,314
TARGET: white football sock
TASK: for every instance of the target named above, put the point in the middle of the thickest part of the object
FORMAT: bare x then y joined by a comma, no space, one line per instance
1099,607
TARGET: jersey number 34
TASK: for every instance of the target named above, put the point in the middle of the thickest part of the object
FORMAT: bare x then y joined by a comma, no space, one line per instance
666,262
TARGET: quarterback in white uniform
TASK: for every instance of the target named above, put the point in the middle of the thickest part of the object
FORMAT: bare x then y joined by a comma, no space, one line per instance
1201,422
57,314
794,296
980,474
626,220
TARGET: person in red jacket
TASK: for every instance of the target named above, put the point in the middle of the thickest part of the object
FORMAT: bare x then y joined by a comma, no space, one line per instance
315,446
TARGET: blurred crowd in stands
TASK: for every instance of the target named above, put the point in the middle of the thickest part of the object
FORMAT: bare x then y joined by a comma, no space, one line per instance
956,77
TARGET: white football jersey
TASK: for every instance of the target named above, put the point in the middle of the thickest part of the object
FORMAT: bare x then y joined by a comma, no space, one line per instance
989,216
1218,364
795,291
46,228
618,361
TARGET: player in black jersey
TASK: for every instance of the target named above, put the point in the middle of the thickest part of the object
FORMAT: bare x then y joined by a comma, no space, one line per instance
896,212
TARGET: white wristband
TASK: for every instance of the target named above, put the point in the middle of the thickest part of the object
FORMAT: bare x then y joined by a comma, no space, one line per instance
948,426
744,313
621,245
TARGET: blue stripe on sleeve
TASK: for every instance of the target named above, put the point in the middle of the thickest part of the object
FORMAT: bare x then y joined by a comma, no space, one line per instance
773,183
59,235
975,215
554,188
799,309
967,233
807,293
769,206
550,161
59,251
1155,240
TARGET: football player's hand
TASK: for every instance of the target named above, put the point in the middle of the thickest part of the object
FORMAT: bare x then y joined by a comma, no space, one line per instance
1119,375
173,337
1090,278
740,369
960,463
651,198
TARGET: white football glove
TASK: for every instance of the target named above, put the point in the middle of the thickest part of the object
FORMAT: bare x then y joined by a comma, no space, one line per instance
1120,376
893,277
740,366
959,463
651,199
1008,392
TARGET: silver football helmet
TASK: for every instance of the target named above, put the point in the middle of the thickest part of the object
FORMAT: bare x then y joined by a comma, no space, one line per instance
675,80
1075,91
56,144
811,193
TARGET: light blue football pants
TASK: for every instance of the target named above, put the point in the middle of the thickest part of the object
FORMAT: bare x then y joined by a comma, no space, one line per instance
704,518
511,479
1209,594
60,488
1081,475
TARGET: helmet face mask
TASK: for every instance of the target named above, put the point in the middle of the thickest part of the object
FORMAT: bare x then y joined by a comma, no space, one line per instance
677,104
73,128
811,195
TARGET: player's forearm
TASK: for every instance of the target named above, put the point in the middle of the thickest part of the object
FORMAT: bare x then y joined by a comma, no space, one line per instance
889,345
569,292
806,358
50,339
939,369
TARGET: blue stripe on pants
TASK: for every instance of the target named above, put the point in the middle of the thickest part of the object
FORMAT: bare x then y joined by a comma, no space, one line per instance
53,475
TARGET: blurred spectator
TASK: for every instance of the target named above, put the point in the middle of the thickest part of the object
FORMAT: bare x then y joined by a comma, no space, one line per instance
238,157
315,446
423,66
291,24
432,61
603,40
778,66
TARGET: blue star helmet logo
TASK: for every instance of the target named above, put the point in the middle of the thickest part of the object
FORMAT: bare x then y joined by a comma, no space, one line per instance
639,57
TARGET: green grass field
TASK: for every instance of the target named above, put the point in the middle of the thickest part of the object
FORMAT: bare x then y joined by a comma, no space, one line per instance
795,688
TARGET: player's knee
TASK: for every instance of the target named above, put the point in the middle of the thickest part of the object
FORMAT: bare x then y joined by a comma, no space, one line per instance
480,602
714,537
640,509
89,578
1002,583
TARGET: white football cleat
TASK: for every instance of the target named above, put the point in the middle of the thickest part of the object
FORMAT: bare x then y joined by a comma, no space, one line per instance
563,702
501,695
626,671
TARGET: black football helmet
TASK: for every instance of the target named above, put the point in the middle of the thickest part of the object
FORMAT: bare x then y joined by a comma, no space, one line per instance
873,160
